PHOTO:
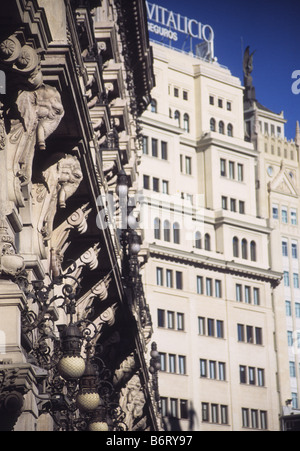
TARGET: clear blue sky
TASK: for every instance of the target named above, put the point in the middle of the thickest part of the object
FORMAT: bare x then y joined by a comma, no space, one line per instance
271,28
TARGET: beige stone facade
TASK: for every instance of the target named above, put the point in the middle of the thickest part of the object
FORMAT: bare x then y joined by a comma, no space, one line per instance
213,277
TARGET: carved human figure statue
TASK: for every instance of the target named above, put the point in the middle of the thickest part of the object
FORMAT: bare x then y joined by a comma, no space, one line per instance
34,118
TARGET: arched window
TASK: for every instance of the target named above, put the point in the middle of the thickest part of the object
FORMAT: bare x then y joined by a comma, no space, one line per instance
253,251
153,106
221,127
244,249
166,230
229,130
186,123
212,125
157,228
207,242
235,245
176,233
177,117
198,240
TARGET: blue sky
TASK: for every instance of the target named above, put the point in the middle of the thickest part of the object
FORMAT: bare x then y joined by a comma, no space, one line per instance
271,28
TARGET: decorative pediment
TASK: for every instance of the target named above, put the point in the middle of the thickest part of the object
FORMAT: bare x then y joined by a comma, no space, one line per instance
283,183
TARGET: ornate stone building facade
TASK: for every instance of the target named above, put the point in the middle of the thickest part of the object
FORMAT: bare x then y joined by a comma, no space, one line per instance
74,322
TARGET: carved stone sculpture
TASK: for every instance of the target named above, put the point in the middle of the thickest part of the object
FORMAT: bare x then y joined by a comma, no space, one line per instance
11,264
61,181
34,117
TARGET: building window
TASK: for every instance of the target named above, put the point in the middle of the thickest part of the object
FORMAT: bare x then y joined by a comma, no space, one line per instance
244,249
201,325
229,130
211,100
146,182
295,400
170,320
145,145
238,292
241,207
198,240
186,123
221,127
296,280
184,412
181,364
180,321
286,279
163,361
275,211
220,329
159,277
218,288
233,205
160,318
154,147
293,217
288,308
247,295
253,251
240,172
258,336
157,228
188,165
167,231
185,95
260,377
284,247
177,117
231,170
173,408
155,184
164,150
153,106
199,285
207,242
228,106
245,417
252,380
176,92
256,297
165,187
294,250
224,414
284,215
210,327
172,363
209,291
164,406
263,420
176,233
220,103
224,203
241,332
212,125
205,411
223,167
169,278
235,245
297,309
254,418
179,285
243,374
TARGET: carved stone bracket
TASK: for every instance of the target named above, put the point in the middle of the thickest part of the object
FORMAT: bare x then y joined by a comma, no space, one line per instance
11,264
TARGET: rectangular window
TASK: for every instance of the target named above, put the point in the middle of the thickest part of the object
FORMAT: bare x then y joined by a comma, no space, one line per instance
249,334
172,363
286,279
212,369
205,411
258,336
294,250
164,150
215,413
165,187
163,361
222,371
251,375
256,296
156,184
209,287
184,412
245,417
211,100
210,327
284,247
180,321
241,332
238,292
224,414
231,170
185,95
161,318
243,374
188,165
179,285
203,368
201,325
220,329
154,147
159,277
176,92
240,168
182,364
296,280
241,207
164,406
275,211
218,288
254,418
248,295
169,278
284,215
220,103
293,217
199,285
263,420
260,377
145,145
297,309
170,317
232,205
288,308
224,203
173,408
228,106
146,182
223,167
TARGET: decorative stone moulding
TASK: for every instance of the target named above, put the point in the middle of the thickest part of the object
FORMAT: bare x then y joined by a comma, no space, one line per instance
11,264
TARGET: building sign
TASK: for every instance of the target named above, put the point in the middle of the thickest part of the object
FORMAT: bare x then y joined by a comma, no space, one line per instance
168,24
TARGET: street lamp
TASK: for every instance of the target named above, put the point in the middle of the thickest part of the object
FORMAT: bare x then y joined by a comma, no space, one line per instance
71,365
